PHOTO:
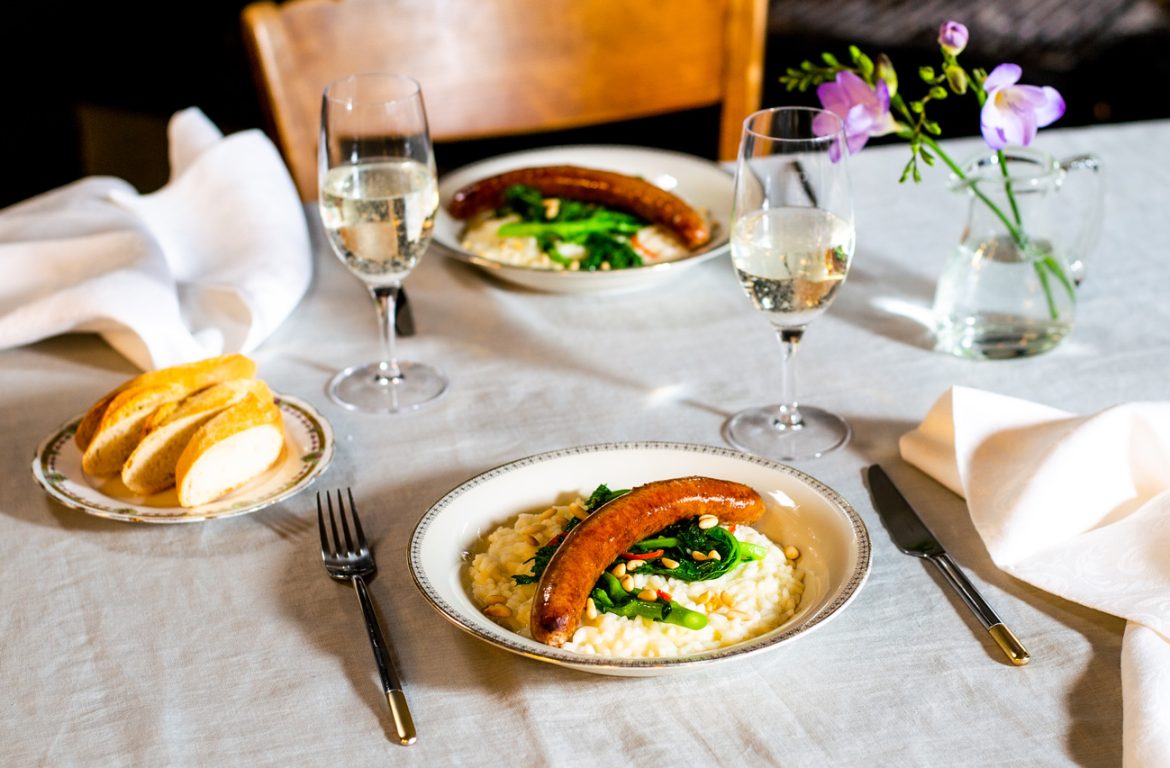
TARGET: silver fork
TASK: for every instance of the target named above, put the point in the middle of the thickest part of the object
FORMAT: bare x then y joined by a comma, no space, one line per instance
346,562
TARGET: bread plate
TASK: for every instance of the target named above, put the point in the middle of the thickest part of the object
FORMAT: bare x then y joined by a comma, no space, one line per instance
701,183
833,540
309,448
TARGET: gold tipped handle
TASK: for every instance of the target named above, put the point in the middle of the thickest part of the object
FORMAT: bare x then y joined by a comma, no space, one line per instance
1009,644
403,722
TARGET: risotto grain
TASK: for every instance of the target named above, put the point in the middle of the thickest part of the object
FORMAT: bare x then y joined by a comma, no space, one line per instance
752,599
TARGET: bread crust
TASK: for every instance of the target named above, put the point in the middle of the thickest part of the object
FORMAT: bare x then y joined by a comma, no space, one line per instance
192,376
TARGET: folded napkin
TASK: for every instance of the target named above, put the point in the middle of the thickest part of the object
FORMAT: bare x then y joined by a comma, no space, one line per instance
210,264
1078,506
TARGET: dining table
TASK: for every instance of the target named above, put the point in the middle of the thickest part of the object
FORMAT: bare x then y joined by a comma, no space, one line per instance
224,642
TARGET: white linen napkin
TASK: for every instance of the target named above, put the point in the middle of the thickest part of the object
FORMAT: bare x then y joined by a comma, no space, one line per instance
1078,506
210,264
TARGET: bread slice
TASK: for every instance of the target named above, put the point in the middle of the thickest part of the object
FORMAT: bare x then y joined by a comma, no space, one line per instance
194,376
121,426
166,432
230,449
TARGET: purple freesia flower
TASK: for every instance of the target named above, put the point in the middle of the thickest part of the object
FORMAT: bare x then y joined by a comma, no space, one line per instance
1013,113
952,37
865,111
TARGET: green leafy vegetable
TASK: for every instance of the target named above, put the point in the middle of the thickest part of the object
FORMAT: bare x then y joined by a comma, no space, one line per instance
602,232
684,537
611,598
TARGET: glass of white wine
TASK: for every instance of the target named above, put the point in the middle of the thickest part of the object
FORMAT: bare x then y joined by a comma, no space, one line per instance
792,242
379,196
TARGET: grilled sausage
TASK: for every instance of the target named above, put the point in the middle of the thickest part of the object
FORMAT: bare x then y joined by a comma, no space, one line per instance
613,190
577,564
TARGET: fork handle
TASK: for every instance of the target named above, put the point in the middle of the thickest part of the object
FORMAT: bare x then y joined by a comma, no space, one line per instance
391,682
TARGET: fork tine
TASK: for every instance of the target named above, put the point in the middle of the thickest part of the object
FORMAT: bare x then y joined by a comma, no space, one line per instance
344,522
326,549
333,524
357,523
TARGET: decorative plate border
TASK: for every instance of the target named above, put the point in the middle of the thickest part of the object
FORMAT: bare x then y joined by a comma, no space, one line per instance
557,656
313,429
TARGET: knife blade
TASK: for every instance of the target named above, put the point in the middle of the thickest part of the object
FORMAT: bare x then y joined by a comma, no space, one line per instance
912,537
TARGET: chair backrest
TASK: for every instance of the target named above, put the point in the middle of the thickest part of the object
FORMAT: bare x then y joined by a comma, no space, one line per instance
492,68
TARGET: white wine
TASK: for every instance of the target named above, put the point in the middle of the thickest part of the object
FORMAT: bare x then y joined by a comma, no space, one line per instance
379,216
791,261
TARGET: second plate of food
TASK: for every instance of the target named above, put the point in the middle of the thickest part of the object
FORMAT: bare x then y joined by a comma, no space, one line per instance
701,184
798,565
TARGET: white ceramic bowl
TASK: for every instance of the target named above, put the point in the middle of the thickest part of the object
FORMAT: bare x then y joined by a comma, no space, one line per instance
833,541
700,182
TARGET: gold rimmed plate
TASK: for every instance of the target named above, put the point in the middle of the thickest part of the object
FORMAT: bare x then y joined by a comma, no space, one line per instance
308,449
802,511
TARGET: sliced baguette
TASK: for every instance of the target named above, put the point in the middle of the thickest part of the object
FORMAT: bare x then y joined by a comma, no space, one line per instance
121,426
230,449
166,432
194,376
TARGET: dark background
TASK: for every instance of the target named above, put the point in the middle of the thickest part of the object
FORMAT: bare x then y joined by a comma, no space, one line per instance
93,87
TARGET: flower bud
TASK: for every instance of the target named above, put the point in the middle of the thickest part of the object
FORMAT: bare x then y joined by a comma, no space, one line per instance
885,71
957,79
952,37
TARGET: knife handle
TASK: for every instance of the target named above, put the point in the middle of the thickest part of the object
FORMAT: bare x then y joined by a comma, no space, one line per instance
999,632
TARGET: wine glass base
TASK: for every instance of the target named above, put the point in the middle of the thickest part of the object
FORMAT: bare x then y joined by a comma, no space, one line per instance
369,389
758,431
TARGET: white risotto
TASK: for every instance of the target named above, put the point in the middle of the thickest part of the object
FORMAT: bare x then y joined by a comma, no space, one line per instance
653,243
752,599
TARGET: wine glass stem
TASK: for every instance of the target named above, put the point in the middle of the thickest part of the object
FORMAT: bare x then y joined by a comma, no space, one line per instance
787,413
386,300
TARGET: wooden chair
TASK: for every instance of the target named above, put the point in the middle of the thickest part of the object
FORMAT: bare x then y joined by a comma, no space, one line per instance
492,68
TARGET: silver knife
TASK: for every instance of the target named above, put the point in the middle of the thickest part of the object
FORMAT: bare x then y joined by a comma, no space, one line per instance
912,536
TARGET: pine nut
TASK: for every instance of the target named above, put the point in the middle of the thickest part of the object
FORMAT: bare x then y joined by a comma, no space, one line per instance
590,609
791,552
498,611
698,556
648,595
545,515
633,565
580,513
714,555
708,521
619,570
535,528
738,615
726,598
495,599
628,583
669,563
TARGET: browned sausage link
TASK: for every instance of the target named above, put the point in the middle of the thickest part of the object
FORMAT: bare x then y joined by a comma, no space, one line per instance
591,546
613,190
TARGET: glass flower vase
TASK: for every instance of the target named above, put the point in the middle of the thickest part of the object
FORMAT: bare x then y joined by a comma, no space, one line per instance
1009,288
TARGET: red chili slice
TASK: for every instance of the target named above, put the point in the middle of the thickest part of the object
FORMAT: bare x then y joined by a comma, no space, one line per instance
643,555
664,596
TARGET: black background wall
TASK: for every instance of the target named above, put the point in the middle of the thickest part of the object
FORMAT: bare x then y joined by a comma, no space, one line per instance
91,87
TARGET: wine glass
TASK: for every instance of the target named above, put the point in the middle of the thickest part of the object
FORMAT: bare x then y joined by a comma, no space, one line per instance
792,241
379,196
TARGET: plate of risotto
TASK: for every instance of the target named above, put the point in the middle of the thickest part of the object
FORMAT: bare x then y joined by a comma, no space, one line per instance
640,559
583,219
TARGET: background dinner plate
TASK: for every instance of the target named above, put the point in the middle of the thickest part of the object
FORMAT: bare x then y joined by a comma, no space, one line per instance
308,451
703,184
833,541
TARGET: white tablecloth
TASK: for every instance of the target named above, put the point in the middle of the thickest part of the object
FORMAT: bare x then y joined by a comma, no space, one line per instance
225,644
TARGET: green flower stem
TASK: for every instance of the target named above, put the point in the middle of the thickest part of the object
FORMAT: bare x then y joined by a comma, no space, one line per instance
1014,229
